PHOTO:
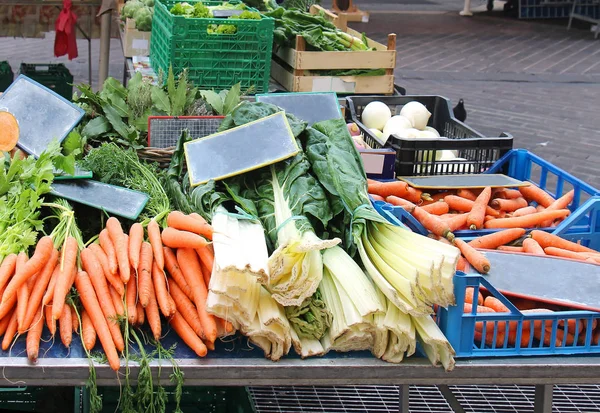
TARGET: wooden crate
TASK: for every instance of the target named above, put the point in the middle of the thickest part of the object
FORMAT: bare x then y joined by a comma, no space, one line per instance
290,65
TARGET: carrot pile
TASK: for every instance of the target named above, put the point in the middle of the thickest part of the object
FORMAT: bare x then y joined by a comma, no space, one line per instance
120,277
502,334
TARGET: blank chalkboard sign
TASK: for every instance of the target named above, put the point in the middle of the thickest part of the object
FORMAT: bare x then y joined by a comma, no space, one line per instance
242,149
43,115
463,181
110,198
310,107
78,174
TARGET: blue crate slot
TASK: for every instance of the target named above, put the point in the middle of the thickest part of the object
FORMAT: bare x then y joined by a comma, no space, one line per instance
583,225
399,216
461,328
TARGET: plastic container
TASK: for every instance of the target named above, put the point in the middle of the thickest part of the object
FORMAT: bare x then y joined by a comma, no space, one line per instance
464,331
417,156
556,9
526,166
6,75
214,61
54,76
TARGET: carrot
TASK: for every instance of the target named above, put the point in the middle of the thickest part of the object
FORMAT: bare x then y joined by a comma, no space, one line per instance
175,271
433,223
50,322
489,325
561,203
160,288
65,326
540,208
477,213
180,221
572,325
92,306
457,222
395,188
510,248
109,248
492,241
10,332
467,194
49,294
377,197
198,217
190,266
527,221
5,321
88,332
130,300
206,273
74,319
96,276
185,332
488,218
186,308
153,315
37,292
474,257
546,239
469,292
207,256
459,204
145,273
562,253
495,304
535,325
534,193
509,205
117,236
531,246
462,264
157,244
34,336
22,295
141,315
63,281
507,193
43,251
7,269
175,238
401,202
113,279
136,236
117,301
437,208
528,210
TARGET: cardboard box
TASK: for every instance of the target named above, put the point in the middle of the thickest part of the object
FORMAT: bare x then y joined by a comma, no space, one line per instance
379,163
135,43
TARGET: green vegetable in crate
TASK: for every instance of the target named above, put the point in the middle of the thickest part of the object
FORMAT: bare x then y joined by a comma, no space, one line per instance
182,9
149,3
143,19
130,8
247,15
200,10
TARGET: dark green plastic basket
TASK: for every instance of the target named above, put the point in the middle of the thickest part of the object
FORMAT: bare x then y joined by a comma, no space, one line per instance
6,75
54,76
214,61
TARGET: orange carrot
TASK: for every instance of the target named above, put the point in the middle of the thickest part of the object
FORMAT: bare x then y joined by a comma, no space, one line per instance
495,304
175,238
63,281
117,301
175,271
507,193
153,315
546,239
475,258
206,273
207,256
377,197
34,336
561,203
457,222
534,193
136,236
145,273
157,244
74,319
141,315
5,320
469,293
190,266
527,221
489,325
459,204
65,326
528,210
185,332
180,221
42,254
433,223
540,208
509,205
37,292
401,202
488,218
113,279
92,306
477,213
198,217
492,241
7,269
117,236
160,288
109,248
462,264
49,294
396,188
10,332
88,332
186,308
22,295
467,194
531,246
100,287
537,324
437,208
510,248
130,300
50,322
562,253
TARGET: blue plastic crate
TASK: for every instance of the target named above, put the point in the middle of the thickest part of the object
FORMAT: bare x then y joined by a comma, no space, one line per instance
524,166
557,9
461,328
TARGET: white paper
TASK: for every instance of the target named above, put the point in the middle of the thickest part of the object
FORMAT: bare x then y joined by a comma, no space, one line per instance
332,84
139,44
373,162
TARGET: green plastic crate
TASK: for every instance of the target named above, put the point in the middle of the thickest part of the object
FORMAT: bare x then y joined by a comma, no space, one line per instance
6,75
214,61
54,76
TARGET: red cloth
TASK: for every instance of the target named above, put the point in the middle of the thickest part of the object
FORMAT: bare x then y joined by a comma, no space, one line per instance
66,41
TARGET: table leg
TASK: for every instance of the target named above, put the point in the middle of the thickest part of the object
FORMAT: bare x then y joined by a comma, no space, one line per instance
404,398
105,20
543,398
450,398
467,9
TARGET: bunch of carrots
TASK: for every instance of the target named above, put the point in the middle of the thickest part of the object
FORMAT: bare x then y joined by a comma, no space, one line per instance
121,277
505,334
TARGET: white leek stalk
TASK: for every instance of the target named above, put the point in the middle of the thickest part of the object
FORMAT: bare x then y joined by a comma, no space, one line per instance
434,343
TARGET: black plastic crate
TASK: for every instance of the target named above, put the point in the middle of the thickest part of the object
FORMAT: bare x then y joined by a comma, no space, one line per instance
6,75
54,76
417,156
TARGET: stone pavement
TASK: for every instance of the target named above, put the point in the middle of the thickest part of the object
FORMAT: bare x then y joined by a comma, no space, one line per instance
533,79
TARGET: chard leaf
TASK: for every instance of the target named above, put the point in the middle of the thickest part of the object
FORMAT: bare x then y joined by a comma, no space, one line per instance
160,100
96,127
